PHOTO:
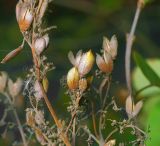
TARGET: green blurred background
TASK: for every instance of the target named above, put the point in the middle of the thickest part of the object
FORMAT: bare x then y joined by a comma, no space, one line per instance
81,24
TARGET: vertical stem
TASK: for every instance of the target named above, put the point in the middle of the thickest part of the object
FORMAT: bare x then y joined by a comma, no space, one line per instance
129,43
74,133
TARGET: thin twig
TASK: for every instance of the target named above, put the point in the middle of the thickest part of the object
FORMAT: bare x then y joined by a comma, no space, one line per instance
17,120
94,121
110,134
129,43
74,133
70,123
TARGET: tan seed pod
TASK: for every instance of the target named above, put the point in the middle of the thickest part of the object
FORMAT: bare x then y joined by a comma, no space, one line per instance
3,81
24,16
12,54
30,118
39,45
73,78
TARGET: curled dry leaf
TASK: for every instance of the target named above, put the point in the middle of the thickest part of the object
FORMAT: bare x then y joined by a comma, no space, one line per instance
15,87
132,109
73,78
3,81
12,54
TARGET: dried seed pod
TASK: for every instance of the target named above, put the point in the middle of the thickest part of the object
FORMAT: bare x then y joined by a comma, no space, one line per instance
86,63
73,78
83,84
46,37
39,117
132,109
110,46
37,91
45,83
39,45
15,88
106,65
24,16
3,81
30,118
12,54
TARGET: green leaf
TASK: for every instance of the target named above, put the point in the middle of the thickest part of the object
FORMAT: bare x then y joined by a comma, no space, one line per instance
147,1
146,69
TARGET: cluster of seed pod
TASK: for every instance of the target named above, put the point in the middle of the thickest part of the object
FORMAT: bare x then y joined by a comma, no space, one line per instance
14,88
83,63
105,62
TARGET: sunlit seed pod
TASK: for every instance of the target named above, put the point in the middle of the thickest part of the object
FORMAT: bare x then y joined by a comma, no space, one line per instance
39,117
3,81
73,78
111,142
37,91
39,45
78,58
82,84
30,118
15,87
86,63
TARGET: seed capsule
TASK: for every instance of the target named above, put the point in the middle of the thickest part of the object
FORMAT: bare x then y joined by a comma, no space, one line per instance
110,46
24,16
40,45
73,78
15,88
86,63
106,64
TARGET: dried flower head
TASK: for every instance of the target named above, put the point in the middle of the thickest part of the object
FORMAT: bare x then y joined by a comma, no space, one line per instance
110,46
73,78
86,63
3,81
30,120
15,88
37,91
39,117
132,109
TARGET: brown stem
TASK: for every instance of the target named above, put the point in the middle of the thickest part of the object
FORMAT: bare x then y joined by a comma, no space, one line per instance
94,121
